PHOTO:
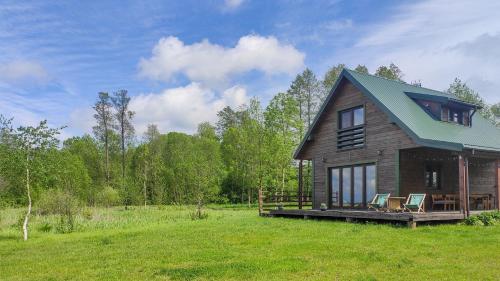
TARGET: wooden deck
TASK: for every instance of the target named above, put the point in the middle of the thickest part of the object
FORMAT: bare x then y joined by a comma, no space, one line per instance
349,215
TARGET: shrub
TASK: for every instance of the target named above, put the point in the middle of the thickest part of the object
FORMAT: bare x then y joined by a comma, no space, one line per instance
108,197
87,213
62,203
45,227
474,220
486,218
57,202
198,215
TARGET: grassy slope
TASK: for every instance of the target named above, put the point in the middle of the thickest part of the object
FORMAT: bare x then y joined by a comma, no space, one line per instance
164,244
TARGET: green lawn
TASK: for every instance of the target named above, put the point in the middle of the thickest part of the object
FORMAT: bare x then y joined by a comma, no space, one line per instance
235,244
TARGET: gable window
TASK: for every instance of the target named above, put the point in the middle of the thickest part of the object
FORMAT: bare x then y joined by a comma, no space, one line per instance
351,132
433,176
352,117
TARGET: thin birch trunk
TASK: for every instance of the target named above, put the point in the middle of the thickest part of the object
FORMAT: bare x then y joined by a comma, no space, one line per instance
26,219
145,190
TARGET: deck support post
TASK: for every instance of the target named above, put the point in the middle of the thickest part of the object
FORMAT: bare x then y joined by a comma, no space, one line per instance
467,186
412,224
301,184
497,172
462,184
348,219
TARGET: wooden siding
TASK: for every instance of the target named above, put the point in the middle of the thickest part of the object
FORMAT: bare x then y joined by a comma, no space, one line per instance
383,140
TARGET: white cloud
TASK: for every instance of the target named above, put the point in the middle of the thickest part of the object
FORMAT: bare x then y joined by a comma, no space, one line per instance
214,65
21,70
183,108
436,41
232,4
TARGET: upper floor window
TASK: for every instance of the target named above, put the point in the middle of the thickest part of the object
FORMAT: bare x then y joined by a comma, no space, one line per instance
352,117
351,133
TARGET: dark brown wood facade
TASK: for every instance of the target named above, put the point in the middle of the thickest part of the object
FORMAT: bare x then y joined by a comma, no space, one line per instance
400,162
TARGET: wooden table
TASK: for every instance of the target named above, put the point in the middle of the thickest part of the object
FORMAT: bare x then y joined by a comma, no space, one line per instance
483,199
395,204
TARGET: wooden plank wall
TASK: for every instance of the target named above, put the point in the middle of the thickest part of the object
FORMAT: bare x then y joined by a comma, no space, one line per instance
383,140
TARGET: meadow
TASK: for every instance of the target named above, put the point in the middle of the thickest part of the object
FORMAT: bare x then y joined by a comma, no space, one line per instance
234,243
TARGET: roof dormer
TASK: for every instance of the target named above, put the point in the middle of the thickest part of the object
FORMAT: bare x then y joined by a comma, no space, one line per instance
446,108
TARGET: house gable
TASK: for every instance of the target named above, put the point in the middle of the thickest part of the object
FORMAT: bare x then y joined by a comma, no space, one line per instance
383,139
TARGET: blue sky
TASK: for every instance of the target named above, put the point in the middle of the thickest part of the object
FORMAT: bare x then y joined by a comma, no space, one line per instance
182,61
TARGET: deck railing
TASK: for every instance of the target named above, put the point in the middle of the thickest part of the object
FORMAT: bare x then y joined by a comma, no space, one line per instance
283,200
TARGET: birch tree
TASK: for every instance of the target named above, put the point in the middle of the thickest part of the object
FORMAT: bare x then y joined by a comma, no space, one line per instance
32,141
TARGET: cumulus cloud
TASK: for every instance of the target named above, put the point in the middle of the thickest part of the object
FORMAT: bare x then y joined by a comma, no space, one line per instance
183,108
21,70
214,65
436,41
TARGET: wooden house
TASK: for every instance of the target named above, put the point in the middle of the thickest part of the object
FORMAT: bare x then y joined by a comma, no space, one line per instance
375,135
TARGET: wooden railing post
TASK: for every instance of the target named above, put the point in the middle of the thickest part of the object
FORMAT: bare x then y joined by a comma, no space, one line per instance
261,205
301,184
497,172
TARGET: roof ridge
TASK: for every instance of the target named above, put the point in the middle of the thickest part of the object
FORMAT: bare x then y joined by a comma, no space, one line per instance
400,82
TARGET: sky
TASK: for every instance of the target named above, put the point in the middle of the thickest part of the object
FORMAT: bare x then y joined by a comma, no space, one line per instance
182,61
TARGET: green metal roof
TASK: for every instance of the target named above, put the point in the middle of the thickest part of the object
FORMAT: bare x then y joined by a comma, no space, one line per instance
391,96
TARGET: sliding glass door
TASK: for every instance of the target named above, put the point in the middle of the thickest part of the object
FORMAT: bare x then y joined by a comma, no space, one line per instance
352,186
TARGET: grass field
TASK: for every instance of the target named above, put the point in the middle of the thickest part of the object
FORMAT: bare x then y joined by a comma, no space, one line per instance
235,244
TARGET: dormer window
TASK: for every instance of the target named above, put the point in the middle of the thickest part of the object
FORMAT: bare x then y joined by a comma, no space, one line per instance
456,116
445,108
351,130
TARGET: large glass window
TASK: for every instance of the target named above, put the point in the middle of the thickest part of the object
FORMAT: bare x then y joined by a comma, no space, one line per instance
358,186
352,186
335,184
371,182
346,186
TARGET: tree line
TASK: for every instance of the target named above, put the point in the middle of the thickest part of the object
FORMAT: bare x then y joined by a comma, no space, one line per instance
249,148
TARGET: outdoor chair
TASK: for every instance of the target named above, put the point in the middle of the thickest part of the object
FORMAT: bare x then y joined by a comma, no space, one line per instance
415,203
379,201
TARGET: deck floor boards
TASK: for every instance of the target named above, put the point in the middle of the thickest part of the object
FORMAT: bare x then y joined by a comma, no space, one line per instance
371,215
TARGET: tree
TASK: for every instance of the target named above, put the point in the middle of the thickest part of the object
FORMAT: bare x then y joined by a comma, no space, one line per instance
361,69
331,77
125,130
105,123
207,167
32,141
306,91
281,123
227,118
391,72
462,91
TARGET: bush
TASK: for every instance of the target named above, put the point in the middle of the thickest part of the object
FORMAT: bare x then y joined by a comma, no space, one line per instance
45,227
62,203
87,214
486,218
57,202
473,221
108,197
